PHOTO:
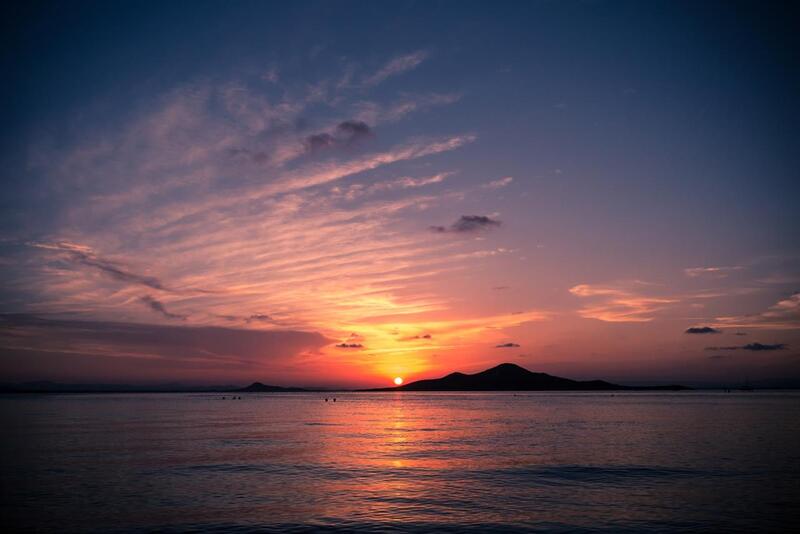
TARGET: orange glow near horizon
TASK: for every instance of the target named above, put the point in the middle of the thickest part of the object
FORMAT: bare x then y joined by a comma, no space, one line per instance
202,238
365,351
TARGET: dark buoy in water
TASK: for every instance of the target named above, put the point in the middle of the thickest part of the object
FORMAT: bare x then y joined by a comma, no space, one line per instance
326,399
334,399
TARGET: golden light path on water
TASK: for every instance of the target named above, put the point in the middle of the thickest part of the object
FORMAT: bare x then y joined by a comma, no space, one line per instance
404,461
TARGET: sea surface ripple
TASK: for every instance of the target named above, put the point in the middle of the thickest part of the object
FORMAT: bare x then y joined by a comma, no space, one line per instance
401,462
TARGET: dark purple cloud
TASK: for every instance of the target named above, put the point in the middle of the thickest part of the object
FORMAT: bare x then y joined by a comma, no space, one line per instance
702,330
321,141
111,269
35,348
158,307
755,347
420,336
347,133
468,224
353,131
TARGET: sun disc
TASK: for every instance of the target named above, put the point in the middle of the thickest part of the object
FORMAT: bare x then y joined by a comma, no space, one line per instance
398,380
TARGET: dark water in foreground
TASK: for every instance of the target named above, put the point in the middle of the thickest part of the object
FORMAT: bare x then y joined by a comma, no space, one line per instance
390,461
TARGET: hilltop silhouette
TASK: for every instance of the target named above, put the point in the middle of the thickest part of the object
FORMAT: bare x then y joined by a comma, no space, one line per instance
512,377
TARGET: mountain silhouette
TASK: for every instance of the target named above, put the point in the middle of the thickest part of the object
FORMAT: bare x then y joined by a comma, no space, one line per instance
512,377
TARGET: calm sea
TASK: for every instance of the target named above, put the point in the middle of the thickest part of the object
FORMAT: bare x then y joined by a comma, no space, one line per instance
381,462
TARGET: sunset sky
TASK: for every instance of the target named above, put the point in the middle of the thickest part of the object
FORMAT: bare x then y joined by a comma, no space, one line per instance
339,193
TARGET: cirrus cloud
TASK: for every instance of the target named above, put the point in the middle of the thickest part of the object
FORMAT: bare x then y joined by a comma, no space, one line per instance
396,66
499,183
711,272
783,315
620,303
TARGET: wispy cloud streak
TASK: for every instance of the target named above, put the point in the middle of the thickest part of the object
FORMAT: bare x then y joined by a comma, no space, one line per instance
784,315
618,304
238,207
158,307
396,66
711,272
84,255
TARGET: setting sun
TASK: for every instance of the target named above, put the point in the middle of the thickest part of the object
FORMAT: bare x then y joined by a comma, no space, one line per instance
569,223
